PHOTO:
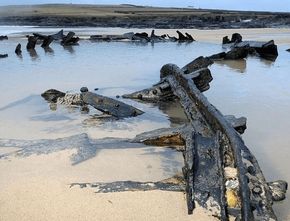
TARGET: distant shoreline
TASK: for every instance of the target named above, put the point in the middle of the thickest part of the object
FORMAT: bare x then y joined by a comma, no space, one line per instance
130,16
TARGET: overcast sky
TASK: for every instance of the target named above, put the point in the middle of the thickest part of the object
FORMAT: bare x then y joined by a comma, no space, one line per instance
257,5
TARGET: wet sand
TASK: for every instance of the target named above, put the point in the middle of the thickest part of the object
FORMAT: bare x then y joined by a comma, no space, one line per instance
37,187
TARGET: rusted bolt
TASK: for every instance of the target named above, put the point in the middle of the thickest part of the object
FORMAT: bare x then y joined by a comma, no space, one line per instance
154,92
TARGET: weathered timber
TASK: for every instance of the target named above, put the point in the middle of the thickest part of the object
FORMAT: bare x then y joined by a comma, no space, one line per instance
158,92
108,105
170,137
233,54
31,42
104,104
196,64
3,55
278,189
108,37
57,36
181,37
267,50
236,38
3,37
69,39
208,121
47,41
18,49
189,36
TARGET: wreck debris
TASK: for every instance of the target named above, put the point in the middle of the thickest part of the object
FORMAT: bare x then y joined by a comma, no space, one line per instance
57,36
108,105
52,95
278,190
236,38
18,49
69,39
104,104
233,54
175,184
47,41
3,37
236,185
238,123
143,37
3,55
267,50
31,42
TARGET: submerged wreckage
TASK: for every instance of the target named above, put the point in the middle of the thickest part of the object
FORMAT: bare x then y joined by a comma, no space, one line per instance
220,173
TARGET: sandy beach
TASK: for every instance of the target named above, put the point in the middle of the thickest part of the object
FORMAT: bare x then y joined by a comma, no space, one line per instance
37,187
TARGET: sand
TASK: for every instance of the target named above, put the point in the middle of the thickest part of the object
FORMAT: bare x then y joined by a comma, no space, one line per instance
38,188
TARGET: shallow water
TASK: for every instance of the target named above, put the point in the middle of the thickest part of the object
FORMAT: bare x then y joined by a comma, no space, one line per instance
254,88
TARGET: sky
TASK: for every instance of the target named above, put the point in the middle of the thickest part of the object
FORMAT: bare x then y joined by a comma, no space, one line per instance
256,5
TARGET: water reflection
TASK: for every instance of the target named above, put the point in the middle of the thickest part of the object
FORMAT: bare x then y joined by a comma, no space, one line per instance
266,62
33,54
69,48
236,65
174,111
48,50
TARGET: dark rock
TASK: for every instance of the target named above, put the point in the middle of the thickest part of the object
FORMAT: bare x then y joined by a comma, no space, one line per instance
3,55
52,95
237,53
218,56
3,37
